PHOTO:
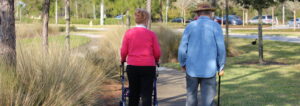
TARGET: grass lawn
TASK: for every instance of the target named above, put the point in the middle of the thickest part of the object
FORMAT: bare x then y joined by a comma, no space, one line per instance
248,84
76,41
278,32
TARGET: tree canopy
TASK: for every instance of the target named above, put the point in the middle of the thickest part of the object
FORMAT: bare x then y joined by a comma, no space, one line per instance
258,4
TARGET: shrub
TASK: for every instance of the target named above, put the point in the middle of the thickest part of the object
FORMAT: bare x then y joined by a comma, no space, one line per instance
112,21
169,41
32,30
107,58
53,79
233,51
63,28
107,21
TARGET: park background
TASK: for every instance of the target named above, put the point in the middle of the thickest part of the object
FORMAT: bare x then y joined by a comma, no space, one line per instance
61,57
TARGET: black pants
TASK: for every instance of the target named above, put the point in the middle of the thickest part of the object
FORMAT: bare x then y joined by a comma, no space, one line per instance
140,84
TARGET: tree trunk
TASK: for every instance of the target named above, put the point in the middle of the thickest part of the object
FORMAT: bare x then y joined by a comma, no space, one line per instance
273,17
149,10
7,32
160,11
243,17
102,13
17,13
227,28
167,10
20,14
222,18
183,16
260,38
128,19
56,12
246,17
94,11
76,6
214,3
45,24
68,19
283,15
294,20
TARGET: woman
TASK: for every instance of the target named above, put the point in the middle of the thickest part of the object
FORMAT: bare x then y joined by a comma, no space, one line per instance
140,49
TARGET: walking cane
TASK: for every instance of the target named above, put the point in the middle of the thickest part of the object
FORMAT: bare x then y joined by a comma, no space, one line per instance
219,90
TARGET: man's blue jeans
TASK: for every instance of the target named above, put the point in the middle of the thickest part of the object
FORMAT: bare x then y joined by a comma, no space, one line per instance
207,90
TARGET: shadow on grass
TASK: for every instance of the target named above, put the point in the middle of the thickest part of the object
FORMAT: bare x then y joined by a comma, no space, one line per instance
269,88
275,52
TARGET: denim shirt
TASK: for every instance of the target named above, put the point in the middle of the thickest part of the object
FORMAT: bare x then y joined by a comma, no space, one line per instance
202,48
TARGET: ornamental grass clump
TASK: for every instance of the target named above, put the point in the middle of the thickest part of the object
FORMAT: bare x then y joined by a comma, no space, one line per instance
169,41
55,78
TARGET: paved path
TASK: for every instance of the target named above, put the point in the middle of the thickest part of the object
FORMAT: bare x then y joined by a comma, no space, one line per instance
171,87
292,39
93,29
171,83
93,45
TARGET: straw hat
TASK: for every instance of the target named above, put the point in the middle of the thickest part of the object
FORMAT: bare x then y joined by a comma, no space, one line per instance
204,7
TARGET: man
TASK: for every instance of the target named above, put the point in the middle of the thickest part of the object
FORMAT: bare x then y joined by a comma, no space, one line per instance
202,54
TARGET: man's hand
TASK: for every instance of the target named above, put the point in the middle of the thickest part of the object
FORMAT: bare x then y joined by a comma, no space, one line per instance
183,68
221,73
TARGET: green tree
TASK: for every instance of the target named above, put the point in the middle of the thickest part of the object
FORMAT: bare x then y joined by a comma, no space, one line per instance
183,5
259,5
293,6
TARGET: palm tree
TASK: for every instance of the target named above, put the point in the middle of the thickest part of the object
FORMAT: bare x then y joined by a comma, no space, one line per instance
7,32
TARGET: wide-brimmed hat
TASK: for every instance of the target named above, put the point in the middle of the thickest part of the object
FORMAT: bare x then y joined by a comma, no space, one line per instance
204,7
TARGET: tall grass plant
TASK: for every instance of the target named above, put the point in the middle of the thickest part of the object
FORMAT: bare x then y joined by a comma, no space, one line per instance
55,78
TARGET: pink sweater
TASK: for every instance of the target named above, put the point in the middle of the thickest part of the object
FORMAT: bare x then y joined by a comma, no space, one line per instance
140,47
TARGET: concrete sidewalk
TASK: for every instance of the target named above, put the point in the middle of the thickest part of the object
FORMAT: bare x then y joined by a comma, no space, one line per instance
291,39
171,87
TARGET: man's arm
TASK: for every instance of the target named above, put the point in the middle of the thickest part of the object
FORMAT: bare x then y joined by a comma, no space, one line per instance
183,47
221,55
